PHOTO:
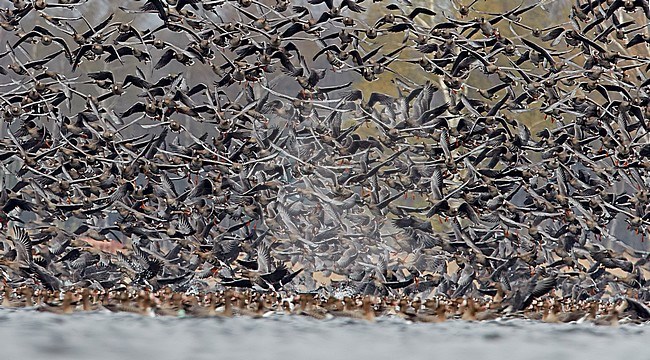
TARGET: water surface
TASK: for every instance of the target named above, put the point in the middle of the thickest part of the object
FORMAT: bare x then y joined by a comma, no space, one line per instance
98,336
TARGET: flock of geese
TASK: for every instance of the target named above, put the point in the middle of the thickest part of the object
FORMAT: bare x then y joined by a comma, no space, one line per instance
262,178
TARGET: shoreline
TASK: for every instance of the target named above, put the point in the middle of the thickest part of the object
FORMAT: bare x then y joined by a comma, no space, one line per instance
251,304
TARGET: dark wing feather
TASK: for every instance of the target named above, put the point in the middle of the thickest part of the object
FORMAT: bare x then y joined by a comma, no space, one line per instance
164,59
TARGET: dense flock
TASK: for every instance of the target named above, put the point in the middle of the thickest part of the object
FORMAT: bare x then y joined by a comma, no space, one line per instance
506,169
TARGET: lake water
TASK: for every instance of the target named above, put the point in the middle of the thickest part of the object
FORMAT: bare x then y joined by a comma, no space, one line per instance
96,336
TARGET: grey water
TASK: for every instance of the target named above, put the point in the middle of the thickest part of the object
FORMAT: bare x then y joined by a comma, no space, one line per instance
98,336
